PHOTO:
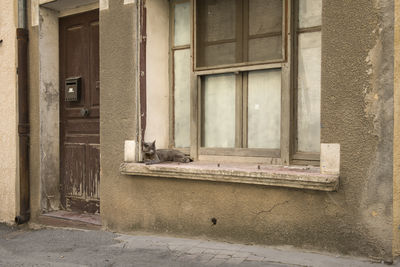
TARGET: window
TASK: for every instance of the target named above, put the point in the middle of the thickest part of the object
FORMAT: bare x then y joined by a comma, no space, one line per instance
308,71
236,32
245,78
181,72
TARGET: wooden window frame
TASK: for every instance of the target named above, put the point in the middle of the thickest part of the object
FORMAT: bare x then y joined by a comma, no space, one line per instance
310,158
172,49
241,125
244,66
286,155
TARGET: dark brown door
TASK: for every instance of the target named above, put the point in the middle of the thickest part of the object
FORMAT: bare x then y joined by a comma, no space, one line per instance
79,119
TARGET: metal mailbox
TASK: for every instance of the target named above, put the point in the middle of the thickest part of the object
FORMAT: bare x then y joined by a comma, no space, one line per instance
72,89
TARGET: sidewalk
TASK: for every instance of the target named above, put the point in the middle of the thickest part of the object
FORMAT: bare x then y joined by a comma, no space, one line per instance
72,247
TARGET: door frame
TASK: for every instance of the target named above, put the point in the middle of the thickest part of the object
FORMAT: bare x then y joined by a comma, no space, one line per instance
83,201
48,197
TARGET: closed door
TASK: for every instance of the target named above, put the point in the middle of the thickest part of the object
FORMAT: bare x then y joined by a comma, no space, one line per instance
79,115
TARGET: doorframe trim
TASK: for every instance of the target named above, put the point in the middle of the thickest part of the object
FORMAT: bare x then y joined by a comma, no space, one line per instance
49,104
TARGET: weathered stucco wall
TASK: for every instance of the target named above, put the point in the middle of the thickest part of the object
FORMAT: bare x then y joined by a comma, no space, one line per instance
396,144
118,68
34,110
49,109
357,97
8,109
357,112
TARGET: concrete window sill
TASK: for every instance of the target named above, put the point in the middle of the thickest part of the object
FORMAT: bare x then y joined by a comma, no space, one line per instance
281,176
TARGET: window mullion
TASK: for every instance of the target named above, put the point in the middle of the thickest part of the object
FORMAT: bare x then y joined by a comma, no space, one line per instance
194,92
245,30
286,104
171,76
245,102
239,31
295,74
239,111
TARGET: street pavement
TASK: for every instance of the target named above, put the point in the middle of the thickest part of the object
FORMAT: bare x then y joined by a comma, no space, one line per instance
21,246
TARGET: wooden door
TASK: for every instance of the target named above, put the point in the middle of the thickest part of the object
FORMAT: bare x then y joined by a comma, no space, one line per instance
79,119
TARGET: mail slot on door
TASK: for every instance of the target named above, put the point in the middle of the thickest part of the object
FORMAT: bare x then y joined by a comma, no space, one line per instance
72,89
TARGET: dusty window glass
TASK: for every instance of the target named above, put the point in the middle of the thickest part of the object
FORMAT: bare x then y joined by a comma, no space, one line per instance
216,20
182,98
264,109
218,111
230,32
310,13
182,24
265,30
309,92
261,49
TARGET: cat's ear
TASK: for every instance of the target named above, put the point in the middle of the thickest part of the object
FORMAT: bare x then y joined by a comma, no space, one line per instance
154,142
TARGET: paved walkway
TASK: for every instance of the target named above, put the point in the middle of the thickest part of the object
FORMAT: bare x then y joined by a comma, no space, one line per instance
71,247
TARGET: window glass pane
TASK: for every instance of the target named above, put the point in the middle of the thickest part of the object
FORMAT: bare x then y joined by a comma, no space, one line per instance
229,32
216,20
216,32
264,109
218,111
182,97
265,16
219,54
310,13
309,92
262,49
182,24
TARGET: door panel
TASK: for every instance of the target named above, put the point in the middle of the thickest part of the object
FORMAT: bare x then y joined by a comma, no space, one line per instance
74,169
94,72
93,180
80,138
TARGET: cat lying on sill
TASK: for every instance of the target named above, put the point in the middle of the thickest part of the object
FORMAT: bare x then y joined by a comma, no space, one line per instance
154,156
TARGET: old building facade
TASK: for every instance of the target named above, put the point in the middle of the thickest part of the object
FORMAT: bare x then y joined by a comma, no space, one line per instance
289,108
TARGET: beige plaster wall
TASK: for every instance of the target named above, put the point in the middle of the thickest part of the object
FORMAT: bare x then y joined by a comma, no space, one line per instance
8,109
34,110
356,111
49,109
157,74
118,79
396,142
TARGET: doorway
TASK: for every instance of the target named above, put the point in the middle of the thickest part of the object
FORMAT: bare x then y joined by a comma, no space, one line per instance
79,112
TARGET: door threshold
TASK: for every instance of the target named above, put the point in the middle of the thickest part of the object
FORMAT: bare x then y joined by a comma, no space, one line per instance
64,218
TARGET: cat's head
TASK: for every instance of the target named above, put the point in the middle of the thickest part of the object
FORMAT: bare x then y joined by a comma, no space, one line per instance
149,148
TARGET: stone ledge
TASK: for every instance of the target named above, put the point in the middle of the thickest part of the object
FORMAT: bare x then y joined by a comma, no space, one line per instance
281,176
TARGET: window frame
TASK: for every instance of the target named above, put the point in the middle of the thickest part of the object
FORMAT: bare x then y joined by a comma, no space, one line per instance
244,66
172,49
288,135
301,158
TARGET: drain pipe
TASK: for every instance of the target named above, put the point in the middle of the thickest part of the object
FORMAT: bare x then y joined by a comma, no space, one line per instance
23,114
